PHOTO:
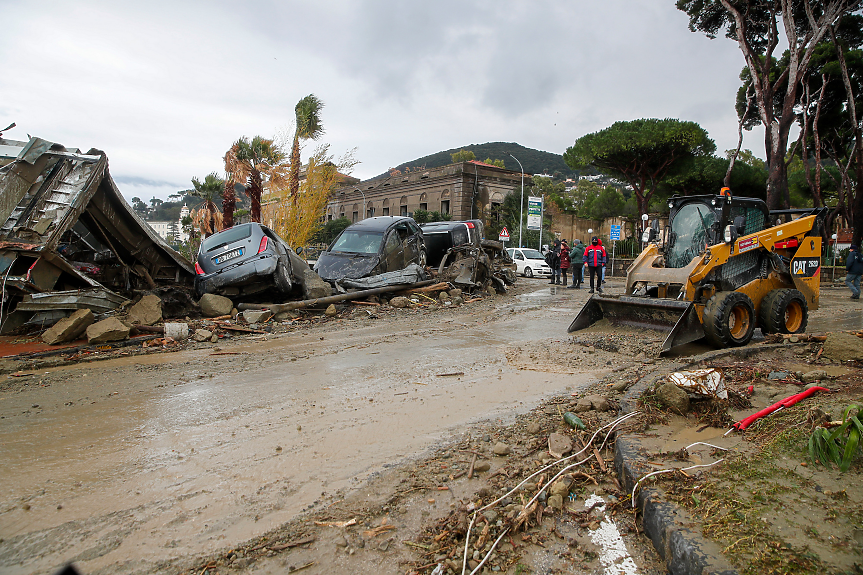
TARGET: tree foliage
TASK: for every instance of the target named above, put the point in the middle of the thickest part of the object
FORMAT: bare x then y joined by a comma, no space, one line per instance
207,219
258,162
463,156
309,127
640,152
757,27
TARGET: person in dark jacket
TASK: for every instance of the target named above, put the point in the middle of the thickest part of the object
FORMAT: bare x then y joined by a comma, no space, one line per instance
854,267
576,256
594,259
554,264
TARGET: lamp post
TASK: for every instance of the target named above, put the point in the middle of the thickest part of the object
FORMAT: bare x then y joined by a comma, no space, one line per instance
521,204
364,203
833,237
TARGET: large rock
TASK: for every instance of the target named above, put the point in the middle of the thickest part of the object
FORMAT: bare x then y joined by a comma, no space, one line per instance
673,397
257,316
69,328
147,311
107,330
213,305
597,402
313,286
400,301
843,346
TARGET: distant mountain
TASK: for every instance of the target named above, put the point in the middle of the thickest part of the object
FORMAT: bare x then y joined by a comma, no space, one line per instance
533,161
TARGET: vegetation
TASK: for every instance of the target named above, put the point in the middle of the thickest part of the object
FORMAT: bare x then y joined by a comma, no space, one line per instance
775,90
207,219
641,152
840,445
425,216
330,230
534,161
463,156
309,127
258,162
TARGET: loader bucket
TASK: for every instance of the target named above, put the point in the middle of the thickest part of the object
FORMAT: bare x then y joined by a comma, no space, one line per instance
678,318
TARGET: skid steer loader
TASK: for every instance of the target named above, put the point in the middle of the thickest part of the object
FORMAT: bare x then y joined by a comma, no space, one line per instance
722,267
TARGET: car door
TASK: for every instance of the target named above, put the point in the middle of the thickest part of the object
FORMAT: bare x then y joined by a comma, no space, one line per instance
410,242
393,257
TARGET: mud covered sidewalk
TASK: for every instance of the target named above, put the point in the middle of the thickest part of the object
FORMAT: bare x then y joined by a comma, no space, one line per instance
340,446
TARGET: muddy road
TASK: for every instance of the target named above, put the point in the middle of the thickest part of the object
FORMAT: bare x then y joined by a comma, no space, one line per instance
123,464
141,464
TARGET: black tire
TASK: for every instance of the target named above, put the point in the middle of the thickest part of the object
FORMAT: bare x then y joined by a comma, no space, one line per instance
528,273
282,278
422,258
729,319
783,311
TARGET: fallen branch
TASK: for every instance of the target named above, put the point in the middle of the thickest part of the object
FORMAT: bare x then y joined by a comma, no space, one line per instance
295,543
230,327
347,523
322,301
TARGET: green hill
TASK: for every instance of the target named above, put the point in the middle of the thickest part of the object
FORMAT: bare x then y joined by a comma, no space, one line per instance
534,161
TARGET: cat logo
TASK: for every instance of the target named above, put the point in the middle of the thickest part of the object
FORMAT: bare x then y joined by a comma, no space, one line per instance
806,267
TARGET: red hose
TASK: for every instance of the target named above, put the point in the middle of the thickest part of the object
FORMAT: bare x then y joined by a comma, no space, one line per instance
787,402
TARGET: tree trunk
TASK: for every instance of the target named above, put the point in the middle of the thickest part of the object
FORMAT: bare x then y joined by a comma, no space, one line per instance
295,170
254,191
229,203
776,141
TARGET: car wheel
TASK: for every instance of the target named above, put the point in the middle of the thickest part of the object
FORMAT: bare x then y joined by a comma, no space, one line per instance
422,259
729,319
528,273
281,278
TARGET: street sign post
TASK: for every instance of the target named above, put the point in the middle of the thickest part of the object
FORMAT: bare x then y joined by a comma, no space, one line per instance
614,236
504,235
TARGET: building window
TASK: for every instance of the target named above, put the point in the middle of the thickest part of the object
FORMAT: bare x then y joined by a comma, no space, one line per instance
354,217
403,211
424,206
386,211
371,212
329,217
444,206
341,215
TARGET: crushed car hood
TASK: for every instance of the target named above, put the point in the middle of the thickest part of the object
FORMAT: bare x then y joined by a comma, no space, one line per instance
334,266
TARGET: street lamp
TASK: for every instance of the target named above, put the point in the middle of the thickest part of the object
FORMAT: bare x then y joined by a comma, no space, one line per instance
364,203
833,237
521,204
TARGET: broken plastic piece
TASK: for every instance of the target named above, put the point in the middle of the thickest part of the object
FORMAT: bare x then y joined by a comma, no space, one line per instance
710,381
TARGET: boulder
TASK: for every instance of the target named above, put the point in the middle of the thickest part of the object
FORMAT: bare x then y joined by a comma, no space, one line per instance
673,397
444,297
257,316
559,445
843,346
69,328
313,286
286,315
331,310
147,311
400,301
213,305
501,448
455,292
107,330
561,487
555,502
814,375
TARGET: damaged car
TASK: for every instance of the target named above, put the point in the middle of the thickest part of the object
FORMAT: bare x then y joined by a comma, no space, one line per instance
441,236
371,247
243,260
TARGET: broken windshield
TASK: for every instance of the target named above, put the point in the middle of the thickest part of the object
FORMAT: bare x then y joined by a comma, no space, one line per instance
690,230
358,242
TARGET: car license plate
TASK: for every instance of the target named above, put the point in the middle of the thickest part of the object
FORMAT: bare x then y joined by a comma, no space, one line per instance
228,256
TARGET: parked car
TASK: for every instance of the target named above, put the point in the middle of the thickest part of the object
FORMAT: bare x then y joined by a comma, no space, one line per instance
373,246
243,260
529,262
441,236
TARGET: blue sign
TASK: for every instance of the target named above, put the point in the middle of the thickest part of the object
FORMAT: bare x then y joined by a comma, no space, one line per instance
615,233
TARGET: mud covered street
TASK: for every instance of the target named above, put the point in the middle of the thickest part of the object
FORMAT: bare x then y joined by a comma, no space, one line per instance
150,463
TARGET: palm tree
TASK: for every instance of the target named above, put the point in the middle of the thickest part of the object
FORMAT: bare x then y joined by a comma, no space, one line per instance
207,190
229,198
255,159
309,127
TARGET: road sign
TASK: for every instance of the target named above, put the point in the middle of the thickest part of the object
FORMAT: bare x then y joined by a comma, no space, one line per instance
534,213
504,235
615,233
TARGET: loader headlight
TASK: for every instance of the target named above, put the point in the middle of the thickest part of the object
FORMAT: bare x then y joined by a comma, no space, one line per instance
730,234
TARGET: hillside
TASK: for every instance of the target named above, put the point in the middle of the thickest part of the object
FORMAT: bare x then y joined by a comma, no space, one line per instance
533,161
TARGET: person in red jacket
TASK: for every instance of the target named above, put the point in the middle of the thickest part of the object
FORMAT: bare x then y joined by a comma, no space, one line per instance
564,260
594,259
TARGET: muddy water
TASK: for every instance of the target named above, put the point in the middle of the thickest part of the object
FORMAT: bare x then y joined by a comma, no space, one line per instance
134,461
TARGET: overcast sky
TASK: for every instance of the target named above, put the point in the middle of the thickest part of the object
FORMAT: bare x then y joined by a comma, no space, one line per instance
164,88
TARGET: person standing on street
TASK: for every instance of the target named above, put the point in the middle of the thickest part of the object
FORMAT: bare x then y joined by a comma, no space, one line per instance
594,259
564,261
577,269
605,255
554,264
854,267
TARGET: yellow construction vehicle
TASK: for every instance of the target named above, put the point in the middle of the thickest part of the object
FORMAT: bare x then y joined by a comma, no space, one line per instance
721,267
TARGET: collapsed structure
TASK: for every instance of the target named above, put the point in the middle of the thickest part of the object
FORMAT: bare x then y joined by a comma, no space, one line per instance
65,227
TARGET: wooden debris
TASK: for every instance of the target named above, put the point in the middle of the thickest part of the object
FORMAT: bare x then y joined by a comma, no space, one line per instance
347,523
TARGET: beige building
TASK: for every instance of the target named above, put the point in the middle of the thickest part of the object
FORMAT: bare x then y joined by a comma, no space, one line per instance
467,190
